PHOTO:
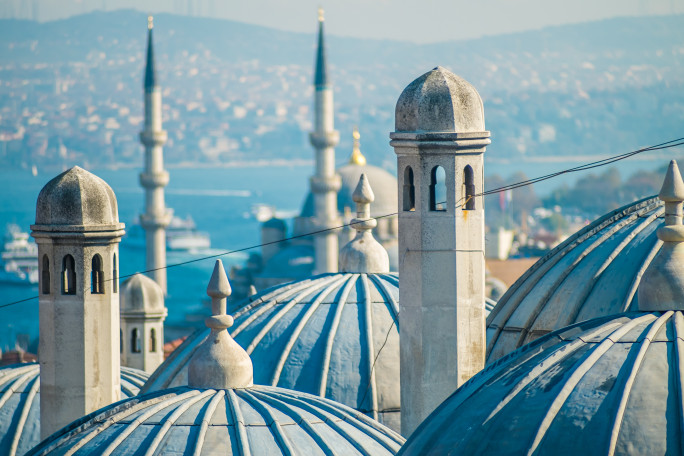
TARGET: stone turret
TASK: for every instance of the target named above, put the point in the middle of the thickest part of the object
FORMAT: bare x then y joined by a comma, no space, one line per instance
154,178
325,183
77,230
439,140
142,323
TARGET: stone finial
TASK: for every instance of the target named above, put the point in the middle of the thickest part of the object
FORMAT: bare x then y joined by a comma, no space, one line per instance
252,290
220,362
440,102
364,254
662,285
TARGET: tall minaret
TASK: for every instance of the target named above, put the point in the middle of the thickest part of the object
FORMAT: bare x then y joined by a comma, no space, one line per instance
440,141
77,230
156,217
325,183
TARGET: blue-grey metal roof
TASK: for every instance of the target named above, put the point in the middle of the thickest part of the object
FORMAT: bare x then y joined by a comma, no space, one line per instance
595,272
251,421
20,404
611,385
333,335
150,73
321,76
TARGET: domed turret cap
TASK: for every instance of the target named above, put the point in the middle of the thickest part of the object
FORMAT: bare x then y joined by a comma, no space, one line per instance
140,294
77,199
439,101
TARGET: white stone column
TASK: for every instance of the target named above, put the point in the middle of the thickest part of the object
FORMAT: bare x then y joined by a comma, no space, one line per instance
439,123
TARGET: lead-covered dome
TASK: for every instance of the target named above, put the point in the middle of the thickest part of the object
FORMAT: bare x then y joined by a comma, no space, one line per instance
595,272
439,101
20,404
77,198
610,385
258,420
332,335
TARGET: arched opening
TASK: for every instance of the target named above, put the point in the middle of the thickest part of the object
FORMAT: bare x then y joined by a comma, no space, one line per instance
135,340
409,196
115,276
68,275
45,276
153,340
97,276
469,184
438,189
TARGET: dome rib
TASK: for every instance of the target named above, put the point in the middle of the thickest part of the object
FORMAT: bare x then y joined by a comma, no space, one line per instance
578,279
239,421
206,419
300,326
284,445
370,344
23,416
332,333
392,304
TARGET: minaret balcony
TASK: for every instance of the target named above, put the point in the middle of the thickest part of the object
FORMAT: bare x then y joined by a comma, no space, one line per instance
154,180
155,221
153,138
324,140
325,184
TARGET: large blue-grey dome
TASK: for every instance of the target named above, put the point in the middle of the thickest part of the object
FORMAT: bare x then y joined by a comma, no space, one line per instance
611,385
20,404
255,421
595,272
332,335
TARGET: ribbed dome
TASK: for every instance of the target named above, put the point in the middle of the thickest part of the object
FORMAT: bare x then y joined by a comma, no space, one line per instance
611,385
255,421
595,272
77,198
321,336
384,186
439,101
20,404
140,294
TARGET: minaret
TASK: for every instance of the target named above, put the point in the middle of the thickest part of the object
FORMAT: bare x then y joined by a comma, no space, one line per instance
325,183
154,178
440,140
77,231
142,323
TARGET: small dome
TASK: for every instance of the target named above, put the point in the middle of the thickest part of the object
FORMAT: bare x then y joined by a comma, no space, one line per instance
319,335
611,385
20,404
439,101
77,198
384,186
140,294
257,420
595,272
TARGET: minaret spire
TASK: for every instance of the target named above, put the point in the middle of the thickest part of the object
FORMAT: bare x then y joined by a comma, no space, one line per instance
325,183
154,178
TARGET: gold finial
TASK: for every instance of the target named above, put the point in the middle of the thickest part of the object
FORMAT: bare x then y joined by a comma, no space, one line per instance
150,24
357,157
320,14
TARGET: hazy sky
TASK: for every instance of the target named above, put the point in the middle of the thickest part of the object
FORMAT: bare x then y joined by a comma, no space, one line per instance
411,20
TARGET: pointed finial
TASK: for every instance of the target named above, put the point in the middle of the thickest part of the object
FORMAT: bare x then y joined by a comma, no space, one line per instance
321,18
150,22
321,73
364,254
150,80
662,285
220,362
357,157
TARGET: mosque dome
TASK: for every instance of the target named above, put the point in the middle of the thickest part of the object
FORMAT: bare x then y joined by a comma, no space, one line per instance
595,272
611,383
439,101
384,186
20,404
321,336
140,294
222,411
77,198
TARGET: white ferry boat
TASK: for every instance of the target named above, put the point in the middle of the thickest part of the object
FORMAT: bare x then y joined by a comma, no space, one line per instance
181,234
19,258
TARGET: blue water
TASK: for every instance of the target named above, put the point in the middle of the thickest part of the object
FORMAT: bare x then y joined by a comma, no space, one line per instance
220,201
